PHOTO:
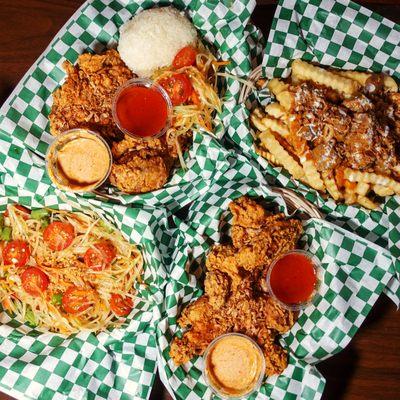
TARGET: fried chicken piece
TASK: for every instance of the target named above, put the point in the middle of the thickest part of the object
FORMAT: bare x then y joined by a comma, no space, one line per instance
129,143
275,358
217,286
223,258
139,172
254,248
206,326
234,299
85,98
247,213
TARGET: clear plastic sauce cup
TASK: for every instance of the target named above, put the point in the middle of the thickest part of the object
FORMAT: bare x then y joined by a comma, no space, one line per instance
234,366
78,160
142,109
293,279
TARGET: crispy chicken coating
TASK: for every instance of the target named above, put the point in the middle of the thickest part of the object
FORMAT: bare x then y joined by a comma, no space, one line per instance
85,99
129,143
234,299
139,172
206,326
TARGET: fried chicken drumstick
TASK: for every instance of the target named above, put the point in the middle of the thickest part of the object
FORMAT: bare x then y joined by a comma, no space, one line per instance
234,299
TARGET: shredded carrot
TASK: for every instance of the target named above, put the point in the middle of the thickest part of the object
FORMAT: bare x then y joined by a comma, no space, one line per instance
220,63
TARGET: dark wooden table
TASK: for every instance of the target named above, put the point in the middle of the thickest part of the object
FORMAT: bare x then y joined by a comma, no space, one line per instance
369,368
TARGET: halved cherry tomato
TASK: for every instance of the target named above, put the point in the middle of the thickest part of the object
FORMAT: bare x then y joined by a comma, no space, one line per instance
100,256
178,87
34,281
23,210
185,57
59,235
121,306
16,252
77,299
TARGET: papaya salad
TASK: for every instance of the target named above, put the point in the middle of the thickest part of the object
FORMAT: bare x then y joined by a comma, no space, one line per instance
191,83
66,271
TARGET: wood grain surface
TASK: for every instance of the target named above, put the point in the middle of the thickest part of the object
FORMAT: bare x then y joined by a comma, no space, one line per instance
369,368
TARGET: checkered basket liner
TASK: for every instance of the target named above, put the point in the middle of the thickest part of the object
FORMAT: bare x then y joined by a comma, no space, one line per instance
115,364
24,125
355,273
345,35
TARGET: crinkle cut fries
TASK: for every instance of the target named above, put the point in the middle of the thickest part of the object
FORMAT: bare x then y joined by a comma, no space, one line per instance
337,131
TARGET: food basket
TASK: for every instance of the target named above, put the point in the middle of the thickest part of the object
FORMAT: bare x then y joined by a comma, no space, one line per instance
117,363
322,330
321,32
24,126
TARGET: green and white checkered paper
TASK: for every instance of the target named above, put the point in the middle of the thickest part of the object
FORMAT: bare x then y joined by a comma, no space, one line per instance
345,35
355,272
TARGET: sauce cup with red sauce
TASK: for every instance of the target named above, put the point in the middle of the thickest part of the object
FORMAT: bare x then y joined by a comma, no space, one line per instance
293,279
142,109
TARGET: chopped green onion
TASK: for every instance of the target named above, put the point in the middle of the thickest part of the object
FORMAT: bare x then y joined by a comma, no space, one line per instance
56,299
30,317
6,233
1,221
45,222
40,213
106,226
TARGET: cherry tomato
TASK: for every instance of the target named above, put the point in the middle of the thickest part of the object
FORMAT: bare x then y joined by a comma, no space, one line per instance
26,212
59,235
34,281
100,256
16,252
121,306
185,57
77,299
178,87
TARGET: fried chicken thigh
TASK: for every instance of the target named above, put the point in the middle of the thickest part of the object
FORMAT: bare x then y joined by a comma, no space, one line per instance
234,299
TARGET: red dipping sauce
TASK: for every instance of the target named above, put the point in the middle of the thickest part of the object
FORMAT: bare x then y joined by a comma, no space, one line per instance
142,109
292,279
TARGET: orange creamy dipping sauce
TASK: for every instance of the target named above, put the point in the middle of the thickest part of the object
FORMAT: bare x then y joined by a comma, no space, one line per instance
78,160
293,278
234,365
141,111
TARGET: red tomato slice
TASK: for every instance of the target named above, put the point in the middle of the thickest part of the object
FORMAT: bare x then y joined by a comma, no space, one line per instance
22,209
34,281
185,57
77,299
121,306
178,87
16,252
59,235
100,256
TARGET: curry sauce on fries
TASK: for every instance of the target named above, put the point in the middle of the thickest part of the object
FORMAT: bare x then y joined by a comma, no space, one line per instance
337,131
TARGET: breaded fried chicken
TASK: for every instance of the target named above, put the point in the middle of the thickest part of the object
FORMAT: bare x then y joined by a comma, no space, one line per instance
85,99
139,172
234,300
